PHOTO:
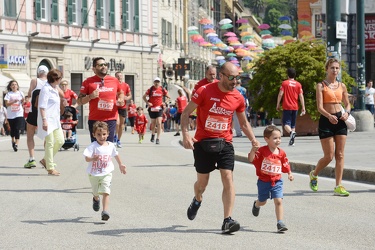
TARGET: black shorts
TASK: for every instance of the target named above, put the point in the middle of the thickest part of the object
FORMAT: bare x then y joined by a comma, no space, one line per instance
122,112
178,118
131,121
327,129
32,117
207,162
154,115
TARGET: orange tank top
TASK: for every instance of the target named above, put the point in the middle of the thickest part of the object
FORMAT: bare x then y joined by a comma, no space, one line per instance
332,95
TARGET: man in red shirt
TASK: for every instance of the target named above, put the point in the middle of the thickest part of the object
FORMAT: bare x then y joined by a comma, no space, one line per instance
69,94
210,77
212,143
181,103
291,89
120,123
155,107
132,113
103,93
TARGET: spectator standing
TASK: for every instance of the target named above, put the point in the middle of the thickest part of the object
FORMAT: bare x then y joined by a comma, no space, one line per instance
236,124
132,113
369,97
172,114
154,102
69,94
3,119
291,90
210,77
101,92
181,103
212,144
13,101
121,118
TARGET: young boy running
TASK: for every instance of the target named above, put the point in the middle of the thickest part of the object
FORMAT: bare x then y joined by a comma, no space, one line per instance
99,154
270,161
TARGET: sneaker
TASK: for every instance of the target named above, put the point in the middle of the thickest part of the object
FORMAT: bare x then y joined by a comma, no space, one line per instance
152,138
313,182
119,144
281,227
292,136
140,141
340,191
105,215
193,209
15,147
255,210
177,134
230,225
96,204
157,141
30,164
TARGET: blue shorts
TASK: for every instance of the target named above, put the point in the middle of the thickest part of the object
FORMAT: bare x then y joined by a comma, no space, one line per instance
266,191
289,118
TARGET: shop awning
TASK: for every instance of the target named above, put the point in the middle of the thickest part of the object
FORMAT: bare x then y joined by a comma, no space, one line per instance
23,79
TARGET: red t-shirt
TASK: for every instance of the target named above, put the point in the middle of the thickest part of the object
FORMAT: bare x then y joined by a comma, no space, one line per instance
126,89
202,83
67,124
156,97
140,123
291,89
132,110
215,112
69,95
181,103
104,107
269,166
26,109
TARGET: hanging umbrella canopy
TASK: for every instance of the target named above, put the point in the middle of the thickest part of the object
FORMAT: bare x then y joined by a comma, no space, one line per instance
208,26
192,28
251,44
284,18
304,28
287,38
245,33
303,22
225,21
205,21
235,43
226,26
264,26
231,54
193,32
242,27
245,37
267,36
242,20
232,58
305,33
219,58
209,31
232,38
195,37
288,41
222,61
286,33
230,34
265,32
211,34
247,58
218,53
285,26
303,16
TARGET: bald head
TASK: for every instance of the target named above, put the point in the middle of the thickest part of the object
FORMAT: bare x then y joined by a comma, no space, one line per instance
229,68
210,73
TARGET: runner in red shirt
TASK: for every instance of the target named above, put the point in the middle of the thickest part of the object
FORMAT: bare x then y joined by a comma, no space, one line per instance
140,123
210,77
120,123
155,107
69,94
101,92
216,104
181,103
132,113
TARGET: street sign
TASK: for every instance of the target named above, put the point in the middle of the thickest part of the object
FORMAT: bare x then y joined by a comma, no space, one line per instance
181,67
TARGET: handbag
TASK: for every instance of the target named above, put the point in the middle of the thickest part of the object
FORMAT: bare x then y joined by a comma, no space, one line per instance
6,126
213,145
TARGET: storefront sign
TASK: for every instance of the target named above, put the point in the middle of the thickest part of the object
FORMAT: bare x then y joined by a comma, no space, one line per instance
17,60
370,33
113,65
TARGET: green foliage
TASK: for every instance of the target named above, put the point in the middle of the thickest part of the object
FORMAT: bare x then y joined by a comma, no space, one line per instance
272,18
307,58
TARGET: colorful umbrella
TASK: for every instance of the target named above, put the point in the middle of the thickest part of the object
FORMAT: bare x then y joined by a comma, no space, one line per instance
242,27
231,54
286,33
232,38
284,18
225,21
192,28
287,38
247,37
288,41
285,26
302,16
208,26
267,37
205,21
226,26
303,22
247,58
230,34
211,34
265,32
219,58
209,31
264,26
305,33
242,20
251,44
232,58
193,32
218,53
245,33
304,28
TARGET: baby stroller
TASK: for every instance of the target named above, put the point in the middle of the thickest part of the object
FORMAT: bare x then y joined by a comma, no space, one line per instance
72,141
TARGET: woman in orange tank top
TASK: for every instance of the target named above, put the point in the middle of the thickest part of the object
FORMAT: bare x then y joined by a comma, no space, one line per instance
332,128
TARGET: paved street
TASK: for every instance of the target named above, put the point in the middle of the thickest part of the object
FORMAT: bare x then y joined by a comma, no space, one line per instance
148,204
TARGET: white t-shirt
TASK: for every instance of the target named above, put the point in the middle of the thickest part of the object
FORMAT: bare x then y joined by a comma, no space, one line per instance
369,95
15,110
104,165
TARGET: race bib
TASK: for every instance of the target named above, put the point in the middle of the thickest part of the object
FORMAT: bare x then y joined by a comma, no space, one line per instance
271,167
216,123
105,104
15,107
66,126
155,109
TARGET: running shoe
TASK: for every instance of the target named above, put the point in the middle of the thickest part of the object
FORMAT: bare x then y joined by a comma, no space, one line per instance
105,215
255,210
96,204
193,209
30,164
177,134
292,136
230,225
340,191
14,146
157,141
281,227
152,138
313,182
119,144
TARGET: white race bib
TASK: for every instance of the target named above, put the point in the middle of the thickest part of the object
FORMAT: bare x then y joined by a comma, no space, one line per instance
105,105
216,123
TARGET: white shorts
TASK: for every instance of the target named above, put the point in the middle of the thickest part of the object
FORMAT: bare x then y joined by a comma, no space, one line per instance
101,184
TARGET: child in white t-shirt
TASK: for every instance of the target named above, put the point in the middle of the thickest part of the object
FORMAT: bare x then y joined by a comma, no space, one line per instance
99,155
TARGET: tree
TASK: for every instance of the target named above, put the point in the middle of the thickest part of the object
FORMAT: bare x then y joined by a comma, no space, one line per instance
307,58
272,18
257,6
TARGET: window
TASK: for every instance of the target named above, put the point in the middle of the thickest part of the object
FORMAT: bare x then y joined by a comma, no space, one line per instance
77,12
10,8
163,31
47,10
318,26
130,15
170,34
102,19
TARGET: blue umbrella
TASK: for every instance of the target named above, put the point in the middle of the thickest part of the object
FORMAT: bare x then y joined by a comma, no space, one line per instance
208,26
247,58
286,33
221,61
232,58
284,18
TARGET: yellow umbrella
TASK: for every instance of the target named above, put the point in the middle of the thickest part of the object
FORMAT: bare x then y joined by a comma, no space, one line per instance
218,53
245,33
245,26
287,38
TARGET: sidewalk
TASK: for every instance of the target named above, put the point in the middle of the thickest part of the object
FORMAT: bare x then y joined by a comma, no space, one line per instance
359,156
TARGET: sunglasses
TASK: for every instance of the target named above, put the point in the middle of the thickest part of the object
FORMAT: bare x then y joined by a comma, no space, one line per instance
231,78
102,64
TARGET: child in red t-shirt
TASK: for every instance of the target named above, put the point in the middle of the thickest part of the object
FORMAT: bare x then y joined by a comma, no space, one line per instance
67,125
140,124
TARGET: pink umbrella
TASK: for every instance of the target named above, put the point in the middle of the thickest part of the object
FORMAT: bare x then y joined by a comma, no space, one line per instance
230,34
232,38
264,26
242,20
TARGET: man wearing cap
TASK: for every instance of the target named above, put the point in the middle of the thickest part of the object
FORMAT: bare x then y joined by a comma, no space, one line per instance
155,107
